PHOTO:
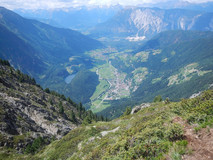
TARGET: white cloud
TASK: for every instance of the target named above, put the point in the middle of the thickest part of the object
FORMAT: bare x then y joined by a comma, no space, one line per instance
51,4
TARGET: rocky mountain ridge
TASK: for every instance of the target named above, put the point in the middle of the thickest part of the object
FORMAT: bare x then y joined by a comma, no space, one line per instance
140,22
28,112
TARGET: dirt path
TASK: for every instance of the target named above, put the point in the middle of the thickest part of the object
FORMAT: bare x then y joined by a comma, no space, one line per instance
200,143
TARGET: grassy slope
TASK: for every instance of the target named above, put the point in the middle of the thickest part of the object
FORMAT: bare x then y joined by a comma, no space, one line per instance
152,133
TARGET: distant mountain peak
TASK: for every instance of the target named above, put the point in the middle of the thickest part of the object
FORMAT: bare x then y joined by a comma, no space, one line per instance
148,22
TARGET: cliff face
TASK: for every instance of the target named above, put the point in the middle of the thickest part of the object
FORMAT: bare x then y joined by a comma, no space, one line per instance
28,112
150,21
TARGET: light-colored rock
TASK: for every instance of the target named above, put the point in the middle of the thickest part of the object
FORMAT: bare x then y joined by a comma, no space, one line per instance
138,108
104,133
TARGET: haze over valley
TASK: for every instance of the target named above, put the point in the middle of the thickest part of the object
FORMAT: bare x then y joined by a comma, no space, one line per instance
65,65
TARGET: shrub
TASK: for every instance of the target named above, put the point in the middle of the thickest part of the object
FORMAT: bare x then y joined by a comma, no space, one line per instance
72,117
35,146
4,62
61,108
47,90
174,132
167,101
128,111
87,120
158,99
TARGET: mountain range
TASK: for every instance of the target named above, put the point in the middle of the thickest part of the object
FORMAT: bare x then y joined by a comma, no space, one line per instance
144,23
151,76
106,80
38,43
39,49
79,18
205,6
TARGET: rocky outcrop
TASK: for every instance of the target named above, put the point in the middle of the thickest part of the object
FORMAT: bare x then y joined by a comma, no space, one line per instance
138,108
28,112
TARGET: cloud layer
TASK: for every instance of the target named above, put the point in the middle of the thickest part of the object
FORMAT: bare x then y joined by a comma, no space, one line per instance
52,4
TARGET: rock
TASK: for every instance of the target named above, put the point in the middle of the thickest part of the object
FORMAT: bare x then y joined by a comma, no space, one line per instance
24,113
138,108
52,108
104,133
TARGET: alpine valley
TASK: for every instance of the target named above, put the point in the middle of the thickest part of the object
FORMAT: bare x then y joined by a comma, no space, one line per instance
107,82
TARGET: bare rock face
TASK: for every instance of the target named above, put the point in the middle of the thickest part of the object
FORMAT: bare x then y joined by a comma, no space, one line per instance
26,112
138,108
147,22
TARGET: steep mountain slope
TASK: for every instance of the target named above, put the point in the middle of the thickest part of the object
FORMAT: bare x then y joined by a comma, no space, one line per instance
51,44
164,130
47,53
20,53
168,38
28,113
174,64
146,22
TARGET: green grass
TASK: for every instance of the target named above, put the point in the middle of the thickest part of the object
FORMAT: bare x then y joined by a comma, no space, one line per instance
140,74
103,106
141,56
11,154
156,80
164,60
106,71
19,138
155,52
103,86
186,73
204,125
148,134
99,105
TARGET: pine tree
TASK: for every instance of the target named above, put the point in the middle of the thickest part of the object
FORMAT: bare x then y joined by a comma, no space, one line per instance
61,108
167,101
47,90
72,117
158,99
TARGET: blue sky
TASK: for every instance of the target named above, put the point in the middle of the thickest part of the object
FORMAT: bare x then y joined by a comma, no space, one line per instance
51,4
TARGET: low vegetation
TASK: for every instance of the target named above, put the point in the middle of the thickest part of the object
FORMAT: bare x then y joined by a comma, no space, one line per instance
156,132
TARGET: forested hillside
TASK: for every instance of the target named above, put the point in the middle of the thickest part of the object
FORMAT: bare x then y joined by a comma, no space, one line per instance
174,64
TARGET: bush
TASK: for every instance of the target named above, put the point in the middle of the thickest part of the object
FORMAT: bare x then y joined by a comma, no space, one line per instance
35,146
47,90
167,101
174,132
87,121
72,117
158,99
61,108
128,111
4,62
